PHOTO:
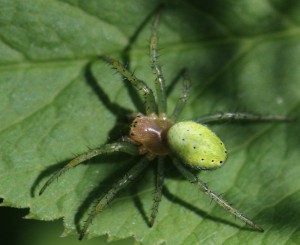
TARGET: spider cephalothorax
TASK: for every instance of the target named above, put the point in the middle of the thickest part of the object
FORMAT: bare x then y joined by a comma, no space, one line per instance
151,133
188,143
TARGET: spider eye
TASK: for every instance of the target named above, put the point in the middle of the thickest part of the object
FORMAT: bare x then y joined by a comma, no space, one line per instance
200,149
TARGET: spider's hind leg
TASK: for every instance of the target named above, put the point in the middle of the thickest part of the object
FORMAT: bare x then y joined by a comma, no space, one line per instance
243,117
218,199
105,149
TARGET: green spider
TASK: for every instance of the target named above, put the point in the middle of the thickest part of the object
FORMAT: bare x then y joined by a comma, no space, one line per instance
156,135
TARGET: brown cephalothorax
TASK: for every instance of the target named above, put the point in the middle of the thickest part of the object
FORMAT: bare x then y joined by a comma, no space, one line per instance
151,133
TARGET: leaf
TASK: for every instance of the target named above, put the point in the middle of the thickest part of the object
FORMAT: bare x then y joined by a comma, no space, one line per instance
241,56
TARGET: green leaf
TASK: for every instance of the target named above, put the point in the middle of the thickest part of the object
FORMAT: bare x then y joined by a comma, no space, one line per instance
57,100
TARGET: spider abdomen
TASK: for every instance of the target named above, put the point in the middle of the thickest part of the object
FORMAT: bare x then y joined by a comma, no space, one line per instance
196,145
150,132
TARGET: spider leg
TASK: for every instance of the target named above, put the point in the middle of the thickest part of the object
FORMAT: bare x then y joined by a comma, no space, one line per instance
242,116
158,190
218,199
119,185
140,86
105,149
184,97
156,68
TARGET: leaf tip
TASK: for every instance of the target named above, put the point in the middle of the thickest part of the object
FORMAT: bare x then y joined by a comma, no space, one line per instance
5,204
30,216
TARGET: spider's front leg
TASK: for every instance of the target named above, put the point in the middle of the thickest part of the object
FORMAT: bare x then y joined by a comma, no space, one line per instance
184,97
218,199
119,185
160,81
106,149
156,69
143,90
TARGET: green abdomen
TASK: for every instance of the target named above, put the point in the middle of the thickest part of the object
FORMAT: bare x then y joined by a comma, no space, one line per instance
196,145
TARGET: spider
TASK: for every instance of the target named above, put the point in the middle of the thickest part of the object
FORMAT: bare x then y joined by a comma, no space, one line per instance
155,135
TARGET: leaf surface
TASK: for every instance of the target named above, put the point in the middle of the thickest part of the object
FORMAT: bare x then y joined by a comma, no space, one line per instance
57,100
